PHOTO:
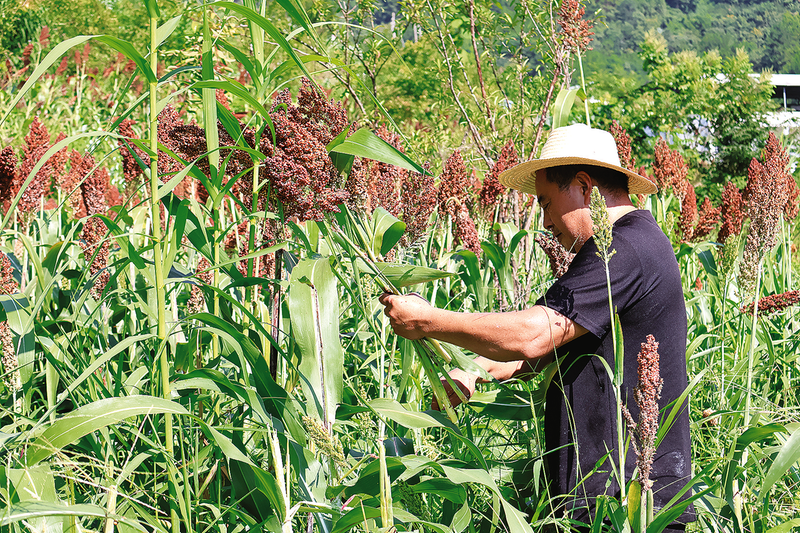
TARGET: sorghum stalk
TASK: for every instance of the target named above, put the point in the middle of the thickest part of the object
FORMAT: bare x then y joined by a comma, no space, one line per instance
751,351
603,238
155,213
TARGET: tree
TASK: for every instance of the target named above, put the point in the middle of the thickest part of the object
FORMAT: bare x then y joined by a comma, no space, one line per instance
710,108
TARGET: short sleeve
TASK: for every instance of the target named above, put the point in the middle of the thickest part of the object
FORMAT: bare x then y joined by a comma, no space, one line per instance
581,294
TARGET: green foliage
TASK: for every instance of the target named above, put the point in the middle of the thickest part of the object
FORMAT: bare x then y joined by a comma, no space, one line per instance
711,108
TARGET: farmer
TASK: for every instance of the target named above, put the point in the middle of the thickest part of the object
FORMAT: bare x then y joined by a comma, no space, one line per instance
572,319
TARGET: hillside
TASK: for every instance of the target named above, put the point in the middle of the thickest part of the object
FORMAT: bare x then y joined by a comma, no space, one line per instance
766,29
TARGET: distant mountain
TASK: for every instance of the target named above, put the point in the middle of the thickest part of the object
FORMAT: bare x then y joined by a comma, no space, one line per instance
769,30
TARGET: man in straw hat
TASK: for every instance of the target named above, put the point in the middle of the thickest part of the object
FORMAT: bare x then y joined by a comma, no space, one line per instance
573,319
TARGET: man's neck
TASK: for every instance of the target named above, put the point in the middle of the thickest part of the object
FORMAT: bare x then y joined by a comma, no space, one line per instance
618,211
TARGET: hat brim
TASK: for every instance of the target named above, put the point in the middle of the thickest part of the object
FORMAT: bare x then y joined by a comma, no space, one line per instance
522,177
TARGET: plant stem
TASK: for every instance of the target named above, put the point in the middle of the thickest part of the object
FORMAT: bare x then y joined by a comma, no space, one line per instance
751,351
161,306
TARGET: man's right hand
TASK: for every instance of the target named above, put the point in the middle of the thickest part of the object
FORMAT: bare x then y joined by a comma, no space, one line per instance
464,381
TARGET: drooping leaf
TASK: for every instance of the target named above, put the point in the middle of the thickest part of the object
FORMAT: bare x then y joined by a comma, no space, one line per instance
394,411
364,143
788,455
69,428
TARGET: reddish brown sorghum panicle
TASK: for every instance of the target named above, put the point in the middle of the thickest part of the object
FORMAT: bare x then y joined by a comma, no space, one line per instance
773,303
131,169
8,284
196,303
301,174
386,181
44,37
792,207
465,233
576,31
357,185
688,217
419,202
646,393
623,146
26,54
669,169
222,98
10,368
731,211
93,240
765,198
491,189
89,189
560,258
707,220
62,67
8,169
323,118
454,183
37,142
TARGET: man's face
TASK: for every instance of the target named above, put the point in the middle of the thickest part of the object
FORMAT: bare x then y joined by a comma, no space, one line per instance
566,213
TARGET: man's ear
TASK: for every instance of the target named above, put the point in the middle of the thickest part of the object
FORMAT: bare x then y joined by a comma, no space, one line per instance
585,182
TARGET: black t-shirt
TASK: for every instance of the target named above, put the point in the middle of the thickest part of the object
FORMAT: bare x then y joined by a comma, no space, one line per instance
581,408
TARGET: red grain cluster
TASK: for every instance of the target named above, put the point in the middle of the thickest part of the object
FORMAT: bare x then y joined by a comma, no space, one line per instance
731,211
386,181
560,258
769,187
454,186
646,393
419,202
774,303
575,30
37,143
491,188
8,284
669,169
464,231
624,150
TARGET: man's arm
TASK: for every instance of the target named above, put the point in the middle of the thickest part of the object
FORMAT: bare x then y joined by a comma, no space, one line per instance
531,335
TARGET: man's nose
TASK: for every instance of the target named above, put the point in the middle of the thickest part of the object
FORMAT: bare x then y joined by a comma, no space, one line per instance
546,221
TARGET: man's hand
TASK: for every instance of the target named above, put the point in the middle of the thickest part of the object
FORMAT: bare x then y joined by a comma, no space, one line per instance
408,314
464,381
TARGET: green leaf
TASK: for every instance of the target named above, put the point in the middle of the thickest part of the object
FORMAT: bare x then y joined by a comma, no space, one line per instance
18,314
165,30
386,231
563,106
786,527
29,511
402,275
151,6
356,517
314,309
128,50
276,35
364,143
369,478
442,487
393,410
342,162
91,417
502,404
787,456
634,505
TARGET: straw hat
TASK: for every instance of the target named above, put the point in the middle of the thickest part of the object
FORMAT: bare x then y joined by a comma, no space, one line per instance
575,145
